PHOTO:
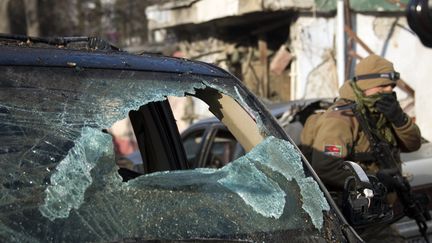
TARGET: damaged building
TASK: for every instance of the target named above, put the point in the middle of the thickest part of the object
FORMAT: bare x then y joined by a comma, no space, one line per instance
287,50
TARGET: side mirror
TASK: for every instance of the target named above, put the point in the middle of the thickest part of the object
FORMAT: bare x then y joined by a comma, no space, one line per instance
364,198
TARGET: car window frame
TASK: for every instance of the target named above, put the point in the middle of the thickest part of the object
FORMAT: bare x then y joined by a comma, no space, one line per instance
158,115
215,128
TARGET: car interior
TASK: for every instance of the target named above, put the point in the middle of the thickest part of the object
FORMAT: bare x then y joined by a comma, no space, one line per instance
161,149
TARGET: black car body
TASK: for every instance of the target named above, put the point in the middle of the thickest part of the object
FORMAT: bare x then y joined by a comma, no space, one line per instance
59,181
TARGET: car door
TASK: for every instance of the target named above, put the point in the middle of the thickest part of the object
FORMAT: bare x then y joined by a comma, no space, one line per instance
221,148
210,144
195,142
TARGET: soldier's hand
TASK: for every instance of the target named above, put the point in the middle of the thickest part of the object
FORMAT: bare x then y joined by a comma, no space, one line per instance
390,108
386,178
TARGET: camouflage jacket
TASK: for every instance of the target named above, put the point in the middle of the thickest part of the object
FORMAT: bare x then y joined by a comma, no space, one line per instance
331,138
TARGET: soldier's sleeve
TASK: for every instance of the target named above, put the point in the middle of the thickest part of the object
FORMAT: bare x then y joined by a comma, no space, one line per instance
308,135
409,137
333,139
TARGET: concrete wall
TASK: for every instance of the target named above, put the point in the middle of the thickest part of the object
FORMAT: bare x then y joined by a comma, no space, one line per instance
198,11
312,43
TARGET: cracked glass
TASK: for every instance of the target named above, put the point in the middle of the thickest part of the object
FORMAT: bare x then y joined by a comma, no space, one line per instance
60,182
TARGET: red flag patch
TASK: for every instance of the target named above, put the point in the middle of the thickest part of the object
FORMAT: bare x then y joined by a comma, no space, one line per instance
333,150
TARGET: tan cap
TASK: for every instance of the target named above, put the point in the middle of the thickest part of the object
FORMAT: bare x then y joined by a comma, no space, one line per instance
373,64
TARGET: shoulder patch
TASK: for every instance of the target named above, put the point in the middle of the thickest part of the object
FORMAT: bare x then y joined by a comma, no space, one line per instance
333,150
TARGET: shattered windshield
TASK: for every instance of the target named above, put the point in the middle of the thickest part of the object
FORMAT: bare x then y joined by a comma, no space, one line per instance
60,182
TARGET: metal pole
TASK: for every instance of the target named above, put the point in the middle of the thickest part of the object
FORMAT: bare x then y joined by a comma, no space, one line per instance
340,42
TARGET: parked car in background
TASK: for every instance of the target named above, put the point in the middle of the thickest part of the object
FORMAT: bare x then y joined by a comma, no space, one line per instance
208,143
59,181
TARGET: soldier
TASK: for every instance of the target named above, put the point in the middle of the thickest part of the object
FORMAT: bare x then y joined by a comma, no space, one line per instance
336,136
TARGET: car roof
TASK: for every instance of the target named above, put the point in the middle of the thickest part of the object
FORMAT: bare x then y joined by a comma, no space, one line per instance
52,53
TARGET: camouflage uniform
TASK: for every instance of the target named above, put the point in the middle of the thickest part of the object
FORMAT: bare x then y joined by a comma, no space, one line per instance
335,136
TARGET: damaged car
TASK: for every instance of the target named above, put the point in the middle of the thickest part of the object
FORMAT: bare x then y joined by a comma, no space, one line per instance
59,178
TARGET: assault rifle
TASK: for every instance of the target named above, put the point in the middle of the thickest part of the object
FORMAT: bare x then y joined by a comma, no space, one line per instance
391,176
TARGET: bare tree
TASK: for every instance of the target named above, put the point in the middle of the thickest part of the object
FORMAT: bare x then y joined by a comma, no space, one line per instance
123,22
4,17
16,17
58,18
130,21
31,14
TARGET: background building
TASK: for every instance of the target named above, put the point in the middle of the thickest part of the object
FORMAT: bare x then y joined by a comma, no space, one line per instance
286,50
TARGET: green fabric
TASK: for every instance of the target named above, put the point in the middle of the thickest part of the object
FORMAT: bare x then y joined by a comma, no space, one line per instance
366,107
362,5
